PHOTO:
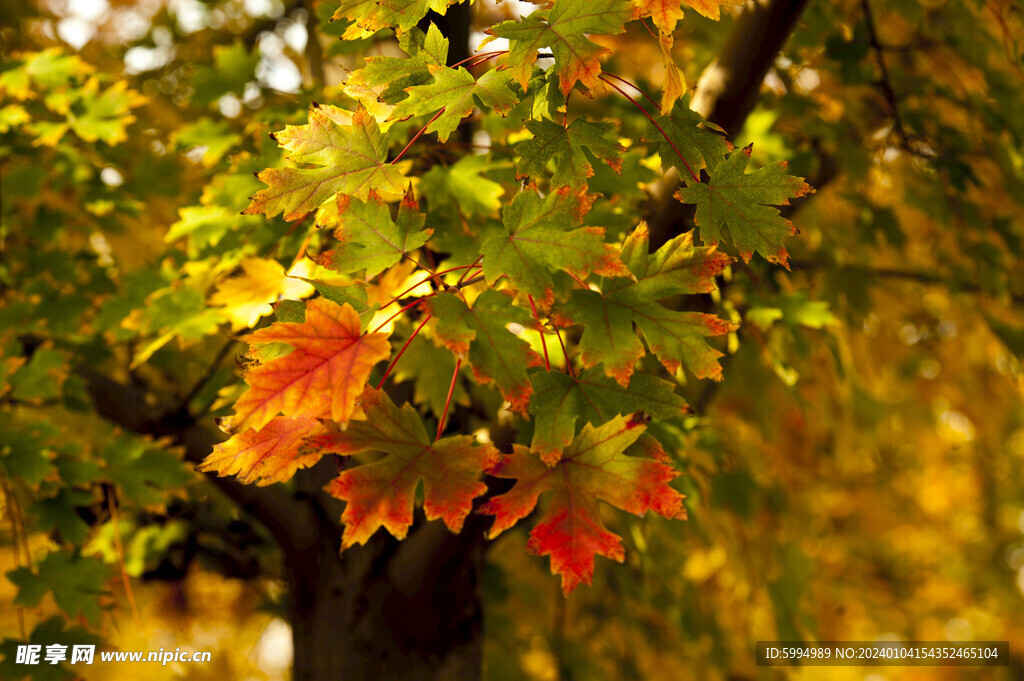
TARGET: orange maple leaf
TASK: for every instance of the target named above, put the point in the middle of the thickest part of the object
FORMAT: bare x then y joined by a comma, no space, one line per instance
271,454
331,357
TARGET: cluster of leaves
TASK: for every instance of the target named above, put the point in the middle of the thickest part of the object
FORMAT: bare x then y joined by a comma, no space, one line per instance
547,273
863,402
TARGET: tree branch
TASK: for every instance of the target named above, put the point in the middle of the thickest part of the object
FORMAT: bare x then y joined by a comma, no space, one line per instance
892,273
285,517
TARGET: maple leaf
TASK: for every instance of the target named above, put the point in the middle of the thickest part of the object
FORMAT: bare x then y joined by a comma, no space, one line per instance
674,86
572,168
480,331
664,13
456,91
685,142
382,493
351,157
271,454
560,400
464,183
331,355
744,202
248,297
563,28
369,239
538,239
381,84
595,466
373,15
675,337
711,8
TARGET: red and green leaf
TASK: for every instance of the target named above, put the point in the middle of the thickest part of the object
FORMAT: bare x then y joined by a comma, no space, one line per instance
675,337
559,401
481,333
373,15
539,239
684,140
564,29
382,493
594,467
456,91
369,239
565,145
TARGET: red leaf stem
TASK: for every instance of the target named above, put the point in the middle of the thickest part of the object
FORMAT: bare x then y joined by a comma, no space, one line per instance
448,402
543,343
568,364
391,366
649,117
417,136
410,305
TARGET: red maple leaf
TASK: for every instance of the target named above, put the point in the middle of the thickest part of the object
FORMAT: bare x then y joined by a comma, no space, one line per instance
595,466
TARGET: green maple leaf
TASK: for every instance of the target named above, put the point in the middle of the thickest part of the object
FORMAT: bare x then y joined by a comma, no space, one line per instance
685,142
76,582
350,153
565,145
675,337
26,449
373,15
564,29
745,204
370,240
385,79
233,67
463,183
382,493
559,401
539,239
60,512
456,91
494,352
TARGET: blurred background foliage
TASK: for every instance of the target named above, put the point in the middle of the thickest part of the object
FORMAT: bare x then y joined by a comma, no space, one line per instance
859,474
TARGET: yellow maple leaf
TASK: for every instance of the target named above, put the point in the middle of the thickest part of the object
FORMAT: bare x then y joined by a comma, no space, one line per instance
246,298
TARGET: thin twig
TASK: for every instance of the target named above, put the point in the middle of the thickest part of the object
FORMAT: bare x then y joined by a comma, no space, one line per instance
410,305
885,83
119,549
208,374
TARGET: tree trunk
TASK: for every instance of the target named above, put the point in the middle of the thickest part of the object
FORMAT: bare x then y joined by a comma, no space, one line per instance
390,610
